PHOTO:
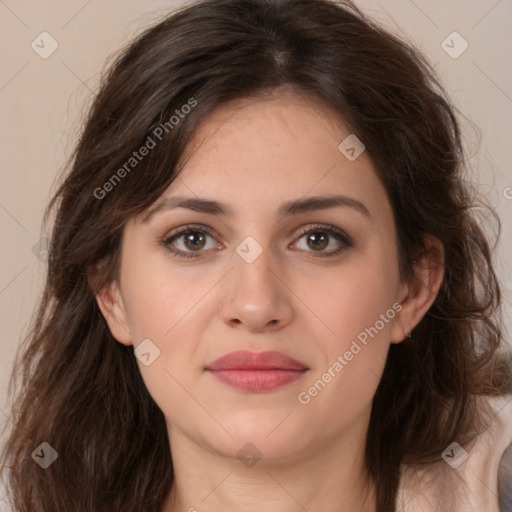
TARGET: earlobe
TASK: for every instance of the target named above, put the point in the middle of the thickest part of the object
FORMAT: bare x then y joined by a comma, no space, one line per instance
422,291
112,307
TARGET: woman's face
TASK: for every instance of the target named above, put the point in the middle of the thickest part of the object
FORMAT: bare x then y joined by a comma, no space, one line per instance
257,274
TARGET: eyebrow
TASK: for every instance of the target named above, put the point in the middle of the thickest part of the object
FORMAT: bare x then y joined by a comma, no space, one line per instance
293,207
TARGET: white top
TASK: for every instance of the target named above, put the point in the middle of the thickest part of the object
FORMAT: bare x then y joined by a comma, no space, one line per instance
466,481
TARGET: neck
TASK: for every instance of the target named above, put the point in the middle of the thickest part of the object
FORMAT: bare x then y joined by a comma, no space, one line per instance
329,478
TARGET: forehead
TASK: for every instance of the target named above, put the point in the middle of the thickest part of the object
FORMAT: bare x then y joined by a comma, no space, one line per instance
258,153
281,119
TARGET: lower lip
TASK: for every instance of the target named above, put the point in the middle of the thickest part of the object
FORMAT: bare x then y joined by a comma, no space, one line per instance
257,380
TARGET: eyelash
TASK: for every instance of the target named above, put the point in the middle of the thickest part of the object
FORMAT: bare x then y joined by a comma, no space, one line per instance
339,235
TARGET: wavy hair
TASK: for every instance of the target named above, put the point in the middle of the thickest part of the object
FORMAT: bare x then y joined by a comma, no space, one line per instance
74,386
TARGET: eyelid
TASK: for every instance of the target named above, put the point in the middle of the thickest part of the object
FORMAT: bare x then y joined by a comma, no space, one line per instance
328,228
189,227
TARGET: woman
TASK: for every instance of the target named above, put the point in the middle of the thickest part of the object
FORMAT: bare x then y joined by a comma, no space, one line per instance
266,289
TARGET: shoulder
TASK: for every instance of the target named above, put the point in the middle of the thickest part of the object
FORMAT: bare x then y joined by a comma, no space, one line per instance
466,478
505,465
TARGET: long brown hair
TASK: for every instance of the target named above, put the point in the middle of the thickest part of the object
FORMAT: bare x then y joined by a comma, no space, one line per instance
76,388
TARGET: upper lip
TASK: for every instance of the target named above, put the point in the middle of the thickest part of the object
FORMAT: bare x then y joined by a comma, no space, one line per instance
246,360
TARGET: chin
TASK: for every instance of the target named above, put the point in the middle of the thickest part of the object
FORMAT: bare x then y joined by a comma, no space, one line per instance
266,431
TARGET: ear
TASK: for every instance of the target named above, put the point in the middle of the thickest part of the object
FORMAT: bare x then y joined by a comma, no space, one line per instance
111,304
420,293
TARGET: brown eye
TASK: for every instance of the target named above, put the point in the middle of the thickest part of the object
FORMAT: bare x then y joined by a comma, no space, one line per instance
194,240
188,241
318,238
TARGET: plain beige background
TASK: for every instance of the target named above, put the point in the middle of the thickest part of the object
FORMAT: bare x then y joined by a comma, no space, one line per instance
43,100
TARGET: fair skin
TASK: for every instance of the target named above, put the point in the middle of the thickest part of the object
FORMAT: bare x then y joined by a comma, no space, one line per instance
252,156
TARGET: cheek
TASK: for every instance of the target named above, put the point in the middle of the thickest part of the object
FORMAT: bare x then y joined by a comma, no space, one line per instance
165,308
169,307
160,297
355,297
358,306
354,357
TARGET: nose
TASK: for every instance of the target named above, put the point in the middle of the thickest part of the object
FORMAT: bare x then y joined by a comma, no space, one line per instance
257,297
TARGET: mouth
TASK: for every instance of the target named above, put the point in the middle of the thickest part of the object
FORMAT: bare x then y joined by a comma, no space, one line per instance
256,372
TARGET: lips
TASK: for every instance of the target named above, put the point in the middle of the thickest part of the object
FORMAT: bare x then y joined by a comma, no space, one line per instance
245,360
256,372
